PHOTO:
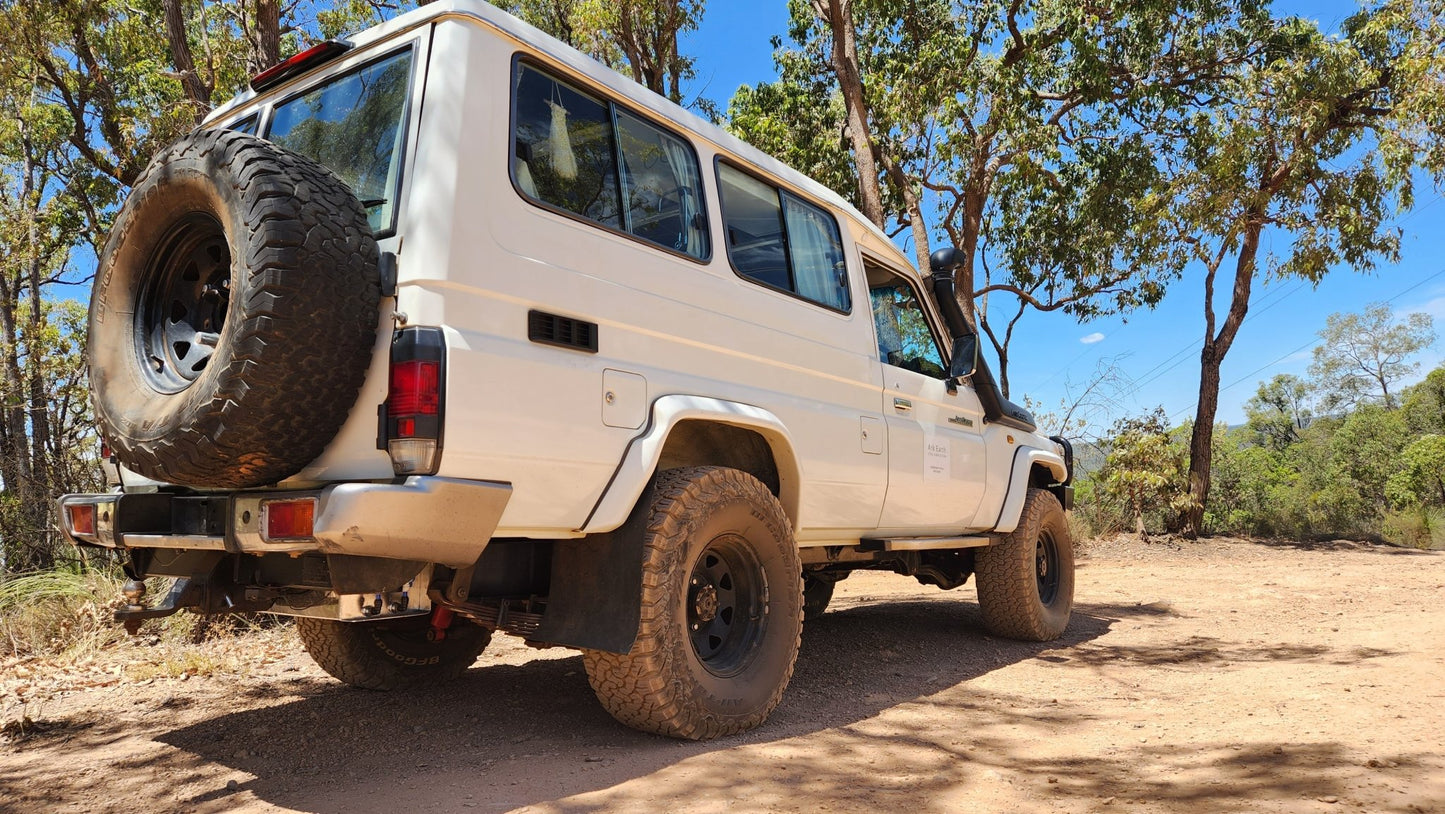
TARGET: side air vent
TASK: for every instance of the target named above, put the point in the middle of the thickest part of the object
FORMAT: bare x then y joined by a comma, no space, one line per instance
565,332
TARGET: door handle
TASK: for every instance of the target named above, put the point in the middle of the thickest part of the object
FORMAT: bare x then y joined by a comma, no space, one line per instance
902,405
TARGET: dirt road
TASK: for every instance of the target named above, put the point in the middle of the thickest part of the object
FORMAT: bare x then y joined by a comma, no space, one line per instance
1216,676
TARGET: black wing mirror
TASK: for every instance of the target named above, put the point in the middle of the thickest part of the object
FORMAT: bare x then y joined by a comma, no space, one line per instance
964,359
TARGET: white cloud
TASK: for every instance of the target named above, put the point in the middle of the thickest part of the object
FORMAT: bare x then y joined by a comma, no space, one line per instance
1434,307
1092,338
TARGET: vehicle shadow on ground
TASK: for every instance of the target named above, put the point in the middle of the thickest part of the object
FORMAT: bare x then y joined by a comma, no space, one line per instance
527,734
508,736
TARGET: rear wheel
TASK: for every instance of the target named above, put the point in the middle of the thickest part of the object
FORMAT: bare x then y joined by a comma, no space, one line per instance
391,655
1026,583
721,610
817,593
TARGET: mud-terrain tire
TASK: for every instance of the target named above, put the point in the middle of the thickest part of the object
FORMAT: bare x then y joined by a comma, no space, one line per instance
1026,583
234,313
721,610
391,655
817,593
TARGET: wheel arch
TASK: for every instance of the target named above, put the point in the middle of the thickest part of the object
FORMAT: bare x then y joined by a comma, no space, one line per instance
1032,468
701,431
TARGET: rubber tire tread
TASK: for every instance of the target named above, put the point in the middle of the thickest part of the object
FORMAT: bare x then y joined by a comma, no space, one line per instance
654,687
817,593
350,653
301,325
1005,573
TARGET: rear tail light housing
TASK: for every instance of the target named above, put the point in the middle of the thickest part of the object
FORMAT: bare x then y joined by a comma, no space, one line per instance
290,519
411,431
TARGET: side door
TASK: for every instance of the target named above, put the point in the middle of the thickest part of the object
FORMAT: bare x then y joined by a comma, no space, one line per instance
936,462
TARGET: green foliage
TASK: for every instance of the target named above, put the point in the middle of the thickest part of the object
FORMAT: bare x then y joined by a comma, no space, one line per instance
1279,411
1366,452
1420,478
636,37
1144,470
1423,405
1362,355
799,120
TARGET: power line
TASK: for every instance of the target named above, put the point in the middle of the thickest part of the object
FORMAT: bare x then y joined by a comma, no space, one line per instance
1255,372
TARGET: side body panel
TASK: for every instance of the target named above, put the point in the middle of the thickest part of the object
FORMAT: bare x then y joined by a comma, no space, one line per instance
478,257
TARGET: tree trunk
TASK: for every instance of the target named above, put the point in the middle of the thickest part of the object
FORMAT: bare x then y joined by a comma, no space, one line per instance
196,91
1211,357
266,42
838,15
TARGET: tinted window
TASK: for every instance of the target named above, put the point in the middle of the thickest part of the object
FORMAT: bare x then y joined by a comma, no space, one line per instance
246,125
662,188
753,217
904,339
586,156
782,241
354,125
564,154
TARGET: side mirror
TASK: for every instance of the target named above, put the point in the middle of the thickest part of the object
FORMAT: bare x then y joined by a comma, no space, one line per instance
963,361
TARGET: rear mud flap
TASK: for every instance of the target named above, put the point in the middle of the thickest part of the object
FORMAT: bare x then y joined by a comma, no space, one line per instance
595,601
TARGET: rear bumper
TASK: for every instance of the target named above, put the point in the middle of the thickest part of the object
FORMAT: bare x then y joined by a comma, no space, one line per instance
430,519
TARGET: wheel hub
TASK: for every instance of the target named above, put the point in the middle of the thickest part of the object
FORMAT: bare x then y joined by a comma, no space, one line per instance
183,304
1046,568
705,603
725,602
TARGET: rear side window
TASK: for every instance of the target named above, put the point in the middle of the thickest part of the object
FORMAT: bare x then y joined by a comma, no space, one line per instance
781,241
583,155
354,125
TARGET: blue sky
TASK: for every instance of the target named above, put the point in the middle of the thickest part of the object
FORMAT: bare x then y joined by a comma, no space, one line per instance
1156,352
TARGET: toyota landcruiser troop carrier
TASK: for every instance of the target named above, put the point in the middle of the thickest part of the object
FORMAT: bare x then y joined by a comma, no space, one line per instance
447,329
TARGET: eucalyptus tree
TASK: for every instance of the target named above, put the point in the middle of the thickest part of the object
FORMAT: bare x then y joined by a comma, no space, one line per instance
1363,355
1315,139
637,37
1017,131
1279,411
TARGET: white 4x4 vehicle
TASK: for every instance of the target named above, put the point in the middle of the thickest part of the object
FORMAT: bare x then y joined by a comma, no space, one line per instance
448,329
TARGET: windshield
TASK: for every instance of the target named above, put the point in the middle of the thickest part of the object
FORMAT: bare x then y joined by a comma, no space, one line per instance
354,125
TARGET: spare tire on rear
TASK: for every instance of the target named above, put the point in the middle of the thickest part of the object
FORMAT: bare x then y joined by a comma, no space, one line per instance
234,314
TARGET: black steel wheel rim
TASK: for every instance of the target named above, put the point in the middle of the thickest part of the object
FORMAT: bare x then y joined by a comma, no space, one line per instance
184,296
1046,567
726,605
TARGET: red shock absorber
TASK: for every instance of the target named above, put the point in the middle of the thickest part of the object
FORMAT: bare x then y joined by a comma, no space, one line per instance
441,619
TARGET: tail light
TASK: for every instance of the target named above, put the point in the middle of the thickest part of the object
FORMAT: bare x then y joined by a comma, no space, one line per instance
82,518
289,519
413,414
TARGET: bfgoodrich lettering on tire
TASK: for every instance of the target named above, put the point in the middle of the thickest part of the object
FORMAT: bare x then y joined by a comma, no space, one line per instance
234,313
1026,583
721,610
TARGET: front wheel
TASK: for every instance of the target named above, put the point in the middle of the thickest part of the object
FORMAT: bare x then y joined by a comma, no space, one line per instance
393,654
721,610
1026,583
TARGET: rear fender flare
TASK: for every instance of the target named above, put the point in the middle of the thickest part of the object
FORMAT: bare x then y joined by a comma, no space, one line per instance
639,461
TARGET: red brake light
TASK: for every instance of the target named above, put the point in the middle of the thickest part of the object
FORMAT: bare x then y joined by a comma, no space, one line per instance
310,58
82,518
290,518
415,388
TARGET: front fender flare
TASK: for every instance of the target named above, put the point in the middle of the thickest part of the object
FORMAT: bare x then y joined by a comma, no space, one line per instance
1025,459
